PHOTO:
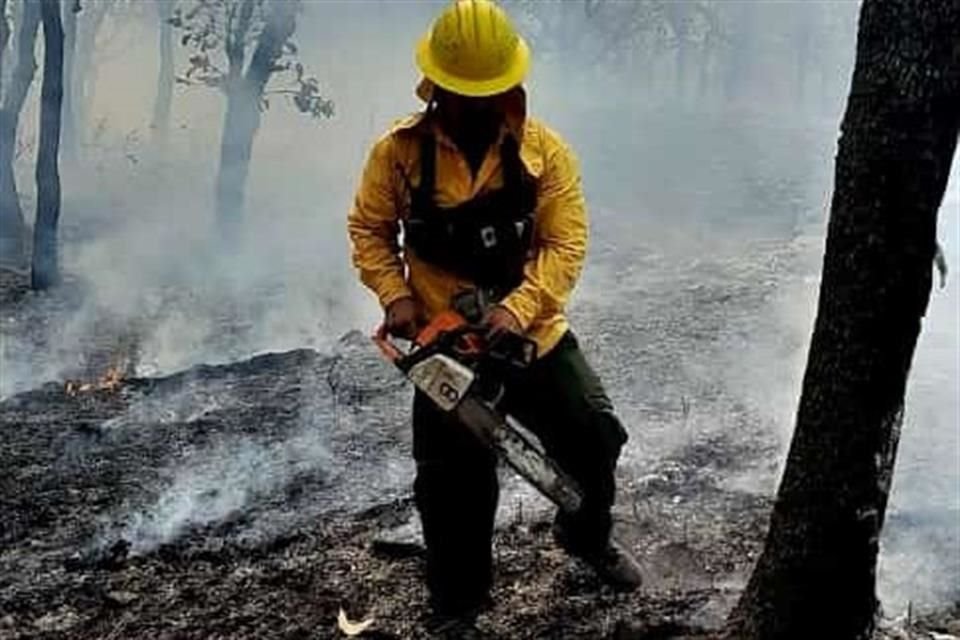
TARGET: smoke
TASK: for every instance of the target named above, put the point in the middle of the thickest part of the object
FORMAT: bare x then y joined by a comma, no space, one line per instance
218,483
140,246
245,476
708,207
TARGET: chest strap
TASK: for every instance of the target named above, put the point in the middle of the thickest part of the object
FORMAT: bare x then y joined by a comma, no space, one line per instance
485,240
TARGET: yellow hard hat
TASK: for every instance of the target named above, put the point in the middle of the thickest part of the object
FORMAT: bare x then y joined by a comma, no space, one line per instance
473,50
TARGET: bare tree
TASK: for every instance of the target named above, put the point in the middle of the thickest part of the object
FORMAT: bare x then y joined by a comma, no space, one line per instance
4,39
244,91
71,8
46,271
11,215
231,27
160,122
816,576
83,75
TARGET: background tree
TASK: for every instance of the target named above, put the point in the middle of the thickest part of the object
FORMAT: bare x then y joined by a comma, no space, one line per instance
13,19
4,39
46,272
11,215
218,29
816,576
86,62
160,122
632,37
71,9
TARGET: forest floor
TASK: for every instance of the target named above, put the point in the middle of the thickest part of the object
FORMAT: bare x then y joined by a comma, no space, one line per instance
257,498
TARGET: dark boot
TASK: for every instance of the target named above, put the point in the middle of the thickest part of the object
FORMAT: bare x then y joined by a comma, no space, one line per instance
462,626
610,559
616,566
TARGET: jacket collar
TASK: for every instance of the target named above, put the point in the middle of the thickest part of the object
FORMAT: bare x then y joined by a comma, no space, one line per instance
517,123
514,107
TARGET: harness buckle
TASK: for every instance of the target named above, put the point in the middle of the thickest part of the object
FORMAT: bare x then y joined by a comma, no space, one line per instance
488,235
472,304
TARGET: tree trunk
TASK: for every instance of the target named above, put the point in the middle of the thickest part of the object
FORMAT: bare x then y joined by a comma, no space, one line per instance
712,42
161,106
242,117
84,76
70,10
677,16
10,31
4,39
11,215
46,271
816,576
738,61
682,68
240,124
703,75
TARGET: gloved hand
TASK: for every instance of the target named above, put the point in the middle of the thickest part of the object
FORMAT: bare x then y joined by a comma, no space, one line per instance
403,318
500,320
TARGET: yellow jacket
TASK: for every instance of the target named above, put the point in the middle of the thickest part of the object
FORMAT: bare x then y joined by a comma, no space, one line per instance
560,222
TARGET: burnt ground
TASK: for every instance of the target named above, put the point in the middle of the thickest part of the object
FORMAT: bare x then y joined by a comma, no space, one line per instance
257,497
69,572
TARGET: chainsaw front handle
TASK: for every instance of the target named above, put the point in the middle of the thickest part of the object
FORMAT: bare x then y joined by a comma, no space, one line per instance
391,351
462,340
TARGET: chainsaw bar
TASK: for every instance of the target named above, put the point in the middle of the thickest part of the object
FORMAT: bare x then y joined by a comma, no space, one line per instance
450,385
518,452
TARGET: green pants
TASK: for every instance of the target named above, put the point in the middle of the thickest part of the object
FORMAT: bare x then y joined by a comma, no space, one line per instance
563,402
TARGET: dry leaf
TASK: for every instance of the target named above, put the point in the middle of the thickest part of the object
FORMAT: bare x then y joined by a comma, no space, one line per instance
352,628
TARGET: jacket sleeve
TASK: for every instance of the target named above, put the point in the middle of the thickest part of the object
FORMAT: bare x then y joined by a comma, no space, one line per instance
374,226
560,239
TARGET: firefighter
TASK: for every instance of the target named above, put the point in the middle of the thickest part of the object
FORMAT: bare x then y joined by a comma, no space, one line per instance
472,194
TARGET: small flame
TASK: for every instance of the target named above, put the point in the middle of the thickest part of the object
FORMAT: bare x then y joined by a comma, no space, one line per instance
110,382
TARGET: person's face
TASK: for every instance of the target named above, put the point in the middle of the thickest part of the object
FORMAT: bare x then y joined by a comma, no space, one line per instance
463,116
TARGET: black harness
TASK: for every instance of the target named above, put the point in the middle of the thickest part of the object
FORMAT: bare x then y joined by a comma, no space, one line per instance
485,240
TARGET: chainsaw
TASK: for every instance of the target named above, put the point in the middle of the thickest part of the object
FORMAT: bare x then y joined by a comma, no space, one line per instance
461,370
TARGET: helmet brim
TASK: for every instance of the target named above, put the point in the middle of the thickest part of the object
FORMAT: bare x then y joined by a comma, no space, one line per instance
512,77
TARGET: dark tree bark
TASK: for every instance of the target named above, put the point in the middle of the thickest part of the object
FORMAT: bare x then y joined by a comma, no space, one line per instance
816,576
244,94
165,78
4,39
70,10
46,271
11,215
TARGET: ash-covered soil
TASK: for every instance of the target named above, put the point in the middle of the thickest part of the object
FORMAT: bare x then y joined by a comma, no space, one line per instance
258,498
122,516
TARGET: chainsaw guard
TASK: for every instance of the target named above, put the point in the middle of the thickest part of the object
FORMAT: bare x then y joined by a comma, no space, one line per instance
444,380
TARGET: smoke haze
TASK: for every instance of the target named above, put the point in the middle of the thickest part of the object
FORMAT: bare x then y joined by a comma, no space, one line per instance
704,181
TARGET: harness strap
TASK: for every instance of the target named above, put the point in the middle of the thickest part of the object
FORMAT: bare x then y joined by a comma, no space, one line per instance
484,240
512,168
509,161
428,170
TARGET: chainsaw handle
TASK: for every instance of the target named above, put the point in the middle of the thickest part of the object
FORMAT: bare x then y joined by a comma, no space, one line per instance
382,339
426,344
463,340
